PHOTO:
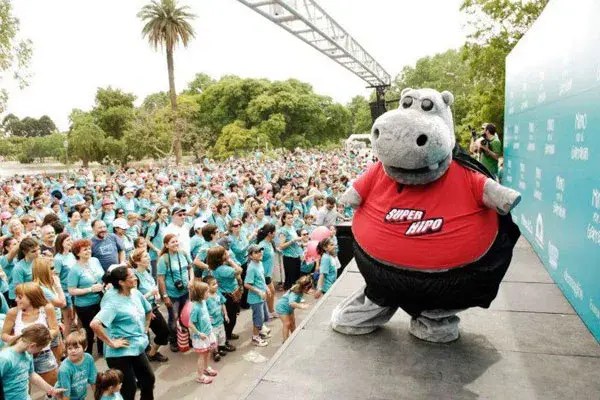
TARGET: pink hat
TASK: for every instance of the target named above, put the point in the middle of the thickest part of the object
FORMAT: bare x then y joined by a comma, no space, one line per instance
5,215
107,201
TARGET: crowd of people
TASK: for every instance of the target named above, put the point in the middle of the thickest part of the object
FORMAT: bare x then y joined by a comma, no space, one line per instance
92,260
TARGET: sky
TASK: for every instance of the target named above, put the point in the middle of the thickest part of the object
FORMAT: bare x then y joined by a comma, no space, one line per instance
80,45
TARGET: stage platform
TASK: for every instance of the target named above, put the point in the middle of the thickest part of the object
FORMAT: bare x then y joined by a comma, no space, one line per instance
530,344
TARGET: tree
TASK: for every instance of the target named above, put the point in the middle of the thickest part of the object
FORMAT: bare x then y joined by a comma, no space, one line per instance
28,126
155,101
15,52
360,113
113,111
199,84
86,139
166,25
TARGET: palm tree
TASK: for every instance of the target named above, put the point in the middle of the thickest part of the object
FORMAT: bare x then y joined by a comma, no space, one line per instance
166,26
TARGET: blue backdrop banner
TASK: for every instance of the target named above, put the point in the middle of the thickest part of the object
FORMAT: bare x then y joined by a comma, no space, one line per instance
552,147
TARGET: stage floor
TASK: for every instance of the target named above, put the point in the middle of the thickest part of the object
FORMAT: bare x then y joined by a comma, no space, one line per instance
530,344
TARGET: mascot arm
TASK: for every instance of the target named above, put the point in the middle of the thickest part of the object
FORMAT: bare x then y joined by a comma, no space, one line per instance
351,198
500,198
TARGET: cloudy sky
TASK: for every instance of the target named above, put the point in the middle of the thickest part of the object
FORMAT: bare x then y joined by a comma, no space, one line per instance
80,45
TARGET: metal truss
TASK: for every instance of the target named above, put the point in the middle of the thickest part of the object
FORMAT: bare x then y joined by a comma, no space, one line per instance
306,20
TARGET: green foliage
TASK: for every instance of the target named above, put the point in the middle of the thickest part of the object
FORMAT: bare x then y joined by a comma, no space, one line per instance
199,84
15,52
28,126
113,111
86,138
155,101
360,113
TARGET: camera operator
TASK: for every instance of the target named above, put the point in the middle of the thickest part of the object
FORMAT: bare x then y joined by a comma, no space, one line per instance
489,148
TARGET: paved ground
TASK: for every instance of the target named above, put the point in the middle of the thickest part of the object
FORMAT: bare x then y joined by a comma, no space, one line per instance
530,344
237,371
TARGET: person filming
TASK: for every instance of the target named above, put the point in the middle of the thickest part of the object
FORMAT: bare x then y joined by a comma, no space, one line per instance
489,148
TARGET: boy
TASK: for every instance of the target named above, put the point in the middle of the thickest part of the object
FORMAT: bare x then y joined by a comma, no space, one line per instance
78,369
257,293
218,315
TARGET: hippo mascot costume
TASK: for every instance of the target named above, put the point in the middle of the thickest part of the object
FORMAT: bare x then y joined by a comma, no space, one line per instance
433,231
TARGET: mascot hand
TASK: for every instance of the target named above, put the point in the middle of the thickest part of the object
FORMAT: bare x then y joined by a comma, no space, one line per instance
500,198
351,198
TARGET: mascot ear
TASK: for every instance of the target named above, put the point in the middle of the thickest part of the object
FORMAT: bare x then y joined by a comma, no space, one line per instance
404,91
448,97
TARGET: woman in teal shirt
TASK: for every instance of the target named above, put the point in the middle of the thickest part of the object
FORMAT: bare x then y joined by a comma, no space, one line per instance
290,248
29,250
64,260
73,227
10,248
173,276
140,262
239,248
265,237
85,285
126,316
155,235
221,218
85,224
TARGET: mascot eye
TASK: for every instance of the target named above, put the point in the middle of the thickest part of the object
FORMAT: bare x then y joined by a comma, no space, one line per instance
427,105
407,102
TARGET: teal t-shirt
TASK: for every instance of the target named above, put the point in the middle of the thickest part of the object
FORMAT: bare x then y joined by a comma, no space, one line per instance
328,267
15,369
175,268
283,304
196,243
82,277
255,276
125,317
225,276
86,229
156,238
51,295
20,274
76,377
268,259
200,317
7,267
294,250
62,266
239,247
146,284
75,231
114,396
213,304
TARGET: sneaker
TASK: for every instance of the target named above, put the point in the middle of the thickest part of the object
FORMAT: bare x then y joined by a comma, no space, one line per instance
222,353
234,336
228,347
265,330
264,335
158,358
174,348
274,315
259,342
216,356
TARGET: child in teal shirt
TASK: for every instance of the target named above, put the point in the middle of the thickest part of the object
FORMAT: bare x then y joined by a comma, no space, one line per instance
328,266
108,385
215,303
291,300
78,369
203,339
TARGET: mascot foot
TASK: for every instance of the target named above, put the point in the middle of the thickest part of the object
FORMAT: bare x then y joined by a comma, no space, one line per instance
357,315
436,327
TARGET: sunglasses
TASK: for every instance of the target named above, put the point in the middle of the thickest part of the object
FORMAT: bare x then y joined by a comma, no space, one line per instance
121,212
180,214
304,234
29,222
236,225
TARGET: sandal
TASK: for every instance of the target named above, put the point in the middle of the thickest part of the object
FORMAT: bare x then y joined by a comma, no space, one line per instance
210,372
204,379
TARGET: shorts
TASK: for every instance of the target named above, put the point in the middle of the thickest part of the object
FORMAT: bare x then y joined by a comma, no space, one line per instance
219,332
268,280
203,346
258,314
44,362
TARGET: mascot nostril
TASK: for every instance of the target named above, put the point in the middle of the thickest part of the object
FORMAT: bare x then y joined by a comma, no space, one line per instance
439,245
376,133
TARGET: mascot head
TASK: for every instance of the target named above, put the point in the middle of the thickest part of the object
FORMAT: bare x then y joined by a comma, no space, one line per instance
415,141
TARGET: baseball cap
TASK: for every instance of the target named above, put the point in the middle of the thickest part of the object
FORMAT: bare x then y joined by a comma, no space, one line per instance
5,215
120,223
177,210
199,223
224,242
128,189
69,186
107,201
254,248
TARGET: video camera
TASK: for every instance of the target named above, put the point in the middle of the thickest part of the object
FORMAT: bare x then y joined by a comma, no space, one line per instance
484,142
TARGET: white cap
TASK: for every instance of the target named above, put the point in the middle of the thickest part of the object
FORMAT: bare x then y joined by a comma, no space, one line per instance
120,223
199,223
128,189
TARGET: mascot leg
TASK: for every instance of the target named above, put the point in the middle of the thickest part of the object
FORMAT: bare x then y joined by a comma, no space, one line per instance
438,326
357,315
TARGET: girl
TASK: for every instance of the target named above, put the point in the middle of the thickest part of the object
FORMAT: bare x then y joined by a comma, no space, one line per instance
290,301
29,250
50,285
108,385
305,267
328,266
16,364
264,238
63,262
122,324
228,279
33,308
203,338
140,261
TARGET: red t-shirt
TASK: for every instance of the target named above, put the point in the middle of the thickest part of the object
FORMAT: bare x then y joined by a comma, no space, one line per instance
440,225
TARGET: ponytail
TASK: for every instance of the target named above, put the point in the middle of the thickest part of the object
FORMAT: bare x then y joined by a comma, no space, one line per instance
321,246
302,285
104,380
